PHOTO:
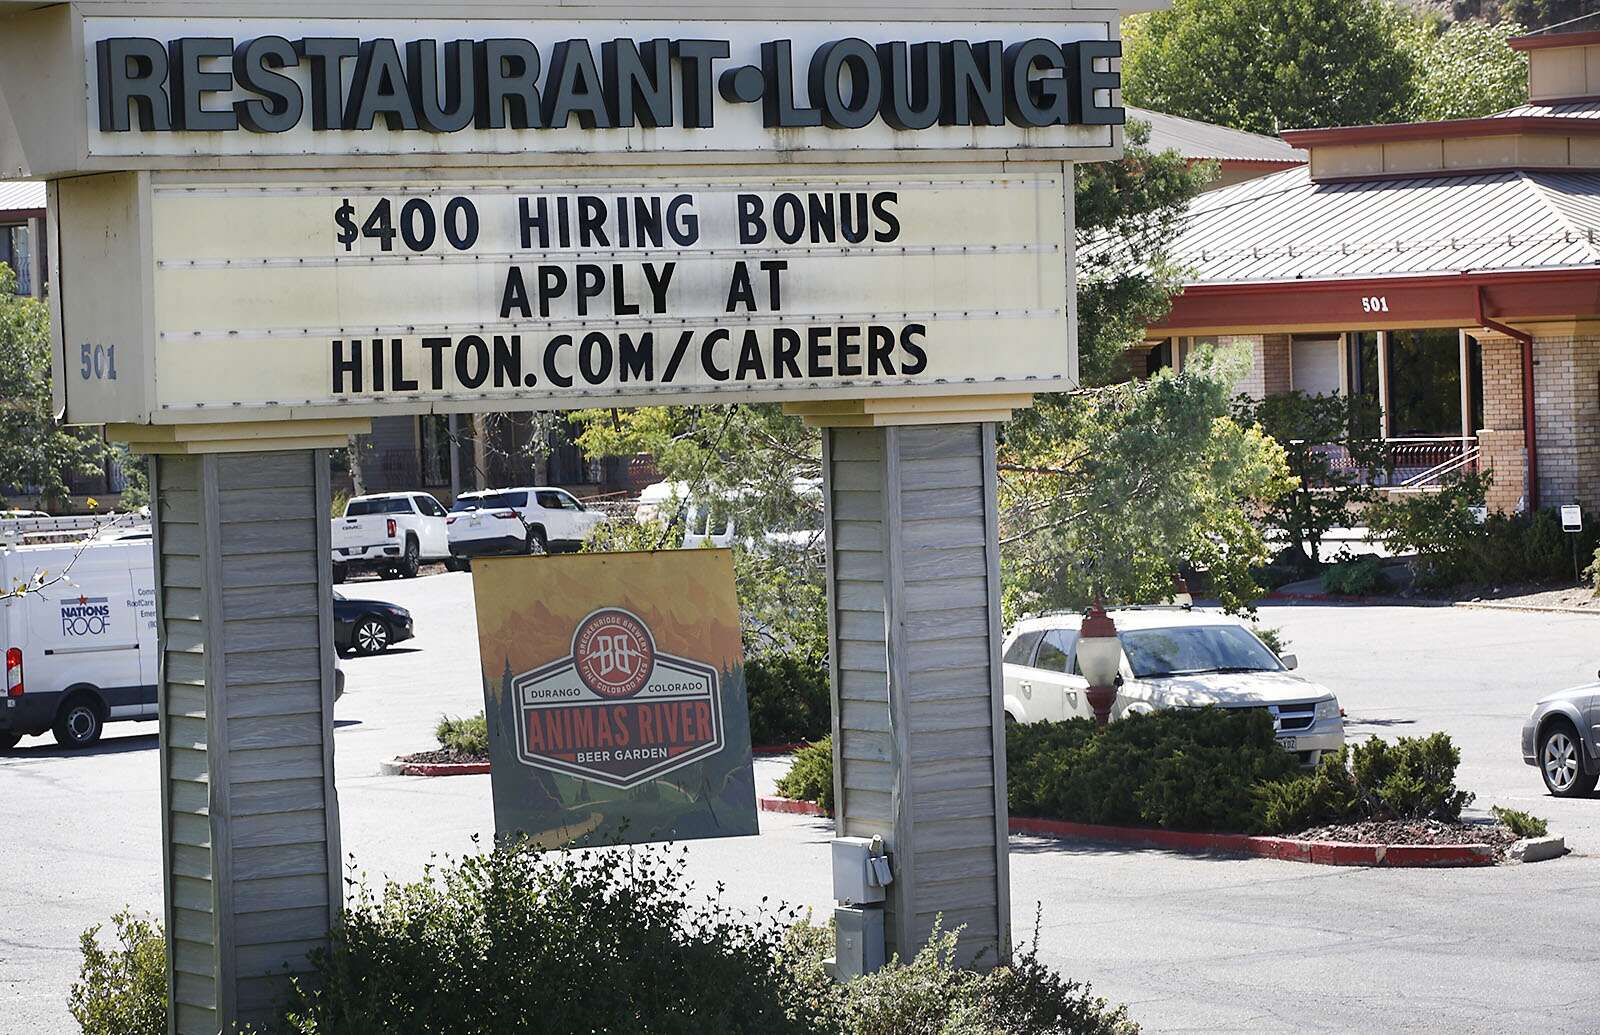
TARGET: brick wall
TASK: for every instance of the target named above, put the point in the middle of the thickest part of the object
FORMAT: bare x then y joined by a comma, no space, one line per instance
1274,363
1501,436
1566,392
1253,383
1502,383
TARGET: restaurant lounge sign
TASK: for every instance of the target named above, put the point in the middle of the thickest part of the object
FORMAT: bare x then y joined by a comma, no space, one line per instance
269,79
362,216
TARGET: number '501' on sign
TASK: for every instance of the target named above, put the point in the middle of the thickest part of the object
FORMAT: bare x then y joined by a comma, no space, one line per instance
97,362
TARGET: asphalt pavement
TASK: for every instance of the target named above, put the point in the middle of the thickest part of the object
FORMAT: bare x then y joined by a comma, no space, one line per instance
1192,944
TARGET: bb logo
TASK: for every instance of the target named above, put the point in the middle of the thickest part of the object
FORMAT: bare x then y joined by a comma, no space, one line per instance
614,652
617,710
85,616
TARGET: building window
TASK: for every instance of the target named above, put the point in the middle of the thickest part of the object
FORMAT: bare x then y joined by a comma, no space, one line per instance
1424,383
1362,355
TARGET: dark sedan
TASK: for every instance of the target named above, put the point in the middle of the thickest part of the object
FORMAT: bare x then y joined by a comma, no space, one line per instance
369,626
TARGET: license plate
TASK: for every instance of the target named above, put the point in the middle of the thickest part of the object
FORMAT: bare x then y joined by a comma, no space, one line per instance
1288,743
474,522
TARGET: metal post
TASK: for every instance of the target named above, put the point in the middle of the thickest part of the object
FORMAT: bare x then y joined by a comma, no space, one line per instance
452,436
914,631
250,820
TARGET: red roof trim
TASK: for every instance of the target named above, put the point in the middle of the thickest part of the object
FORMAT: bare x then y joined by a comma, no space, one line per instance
1551,40
1449,129
1447,299
13,215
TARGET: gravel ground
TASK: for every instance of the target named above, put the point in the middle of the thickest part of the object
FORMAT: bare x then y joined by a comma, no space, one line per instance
442,757
1418,832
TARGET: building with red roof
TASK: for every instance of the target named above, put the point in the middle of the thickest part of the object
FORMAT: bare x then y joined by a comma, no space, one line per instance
1448,270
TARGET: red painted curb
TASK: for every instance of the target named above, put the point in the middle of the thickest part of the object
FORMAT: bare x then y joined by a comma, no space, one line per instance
1326,853
440,768
1288,849
779,749
793,807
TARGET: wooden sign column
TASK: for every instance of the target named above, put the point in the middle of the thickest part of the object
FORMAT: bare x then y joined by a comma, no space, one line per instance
250,822
914,634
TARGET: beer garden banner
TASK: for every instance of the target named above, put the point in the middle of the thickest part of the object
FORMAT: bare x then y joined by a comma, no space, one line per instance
615,696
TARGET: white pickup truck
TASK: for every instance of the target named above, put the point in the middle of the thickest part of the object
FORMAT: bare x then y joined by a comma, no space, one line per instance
391,533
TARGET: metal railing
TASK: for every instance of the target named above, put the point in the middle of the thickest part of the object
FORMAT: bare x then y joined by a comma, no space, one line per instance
1411,463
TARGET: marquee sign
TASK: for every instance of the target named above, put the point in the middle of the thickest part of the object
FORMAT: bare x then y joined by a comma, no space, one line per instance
614,690
357,296
164,86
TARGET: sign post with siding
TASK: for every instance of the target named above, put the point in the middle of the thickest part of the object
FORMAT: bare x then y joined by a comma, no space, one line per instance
273,223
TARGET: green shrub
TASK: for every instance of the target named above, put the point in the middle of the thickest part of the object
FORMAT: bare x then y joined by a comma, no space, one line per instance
1521,823
1413,778
930,994
1454,549
1356,577
1184,770
464,736
1326,794
789,698
573,941
1594,571
122,990
810,777
1271,636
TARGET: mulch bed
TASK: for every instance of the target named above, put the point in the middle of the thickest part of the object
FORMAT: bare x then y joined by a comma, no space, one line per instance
1421,832
443,758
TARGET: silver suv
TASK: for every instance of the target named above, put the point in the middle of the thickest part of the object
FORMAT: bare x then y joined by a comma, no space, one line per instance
1171,658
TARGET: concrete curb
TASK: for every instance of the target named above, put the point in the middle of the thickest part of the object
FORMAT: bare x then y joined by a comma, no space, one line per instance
1537,849
397,767
1490,605
1324,853
1333,598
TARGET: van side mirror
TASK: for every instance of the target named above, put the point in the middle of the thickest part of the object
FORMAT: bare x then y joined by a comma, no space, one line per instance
1290,661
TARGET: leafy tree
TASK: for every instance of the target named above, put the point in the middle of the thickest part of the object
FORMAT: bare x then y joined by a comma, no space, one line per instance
36,450
1541,14
1270,65
1332,444
1110,492
1127,212
1464,69
761,467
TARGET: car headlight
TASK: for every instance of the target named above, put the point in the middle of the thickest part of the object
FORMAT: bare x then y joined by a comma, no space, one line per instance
1328,709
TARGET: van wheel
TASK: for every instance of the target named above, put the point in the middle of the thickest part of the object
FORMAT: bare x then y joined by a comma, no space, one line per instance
537,542
456,564
340,573
412,561
79,723
9,740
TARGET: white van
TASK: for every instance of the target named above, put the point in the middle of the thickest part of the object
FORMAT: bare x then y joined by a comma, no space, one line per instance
80,649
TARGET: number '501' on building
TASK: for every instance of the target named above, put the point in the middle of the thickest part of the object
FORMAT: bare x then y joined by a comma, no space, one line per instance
1449,271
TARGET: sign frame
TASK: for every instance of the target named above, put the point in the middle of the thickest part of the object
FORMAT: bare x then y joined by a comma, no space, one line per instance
122,266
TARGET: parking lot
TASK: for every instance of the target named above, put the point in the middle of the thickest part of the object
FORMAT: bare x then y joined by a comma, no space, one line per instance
1192,944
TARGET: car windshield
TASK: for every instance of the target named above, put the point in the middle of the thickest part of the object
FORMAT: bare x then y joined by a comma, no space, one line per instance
493,501
1190,650
362,508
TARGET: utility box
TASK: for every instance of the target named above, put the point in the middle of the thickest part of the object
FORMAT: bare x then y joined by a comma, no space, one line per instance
860,871
859,948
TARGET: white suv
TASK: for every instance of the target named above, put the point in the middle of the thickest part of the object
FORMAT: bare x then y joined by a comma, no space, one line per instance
524,520
1171,658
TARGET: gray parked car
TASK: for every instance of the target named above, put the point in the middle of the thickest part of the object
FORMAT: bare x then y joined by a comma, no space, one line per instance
1562,738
